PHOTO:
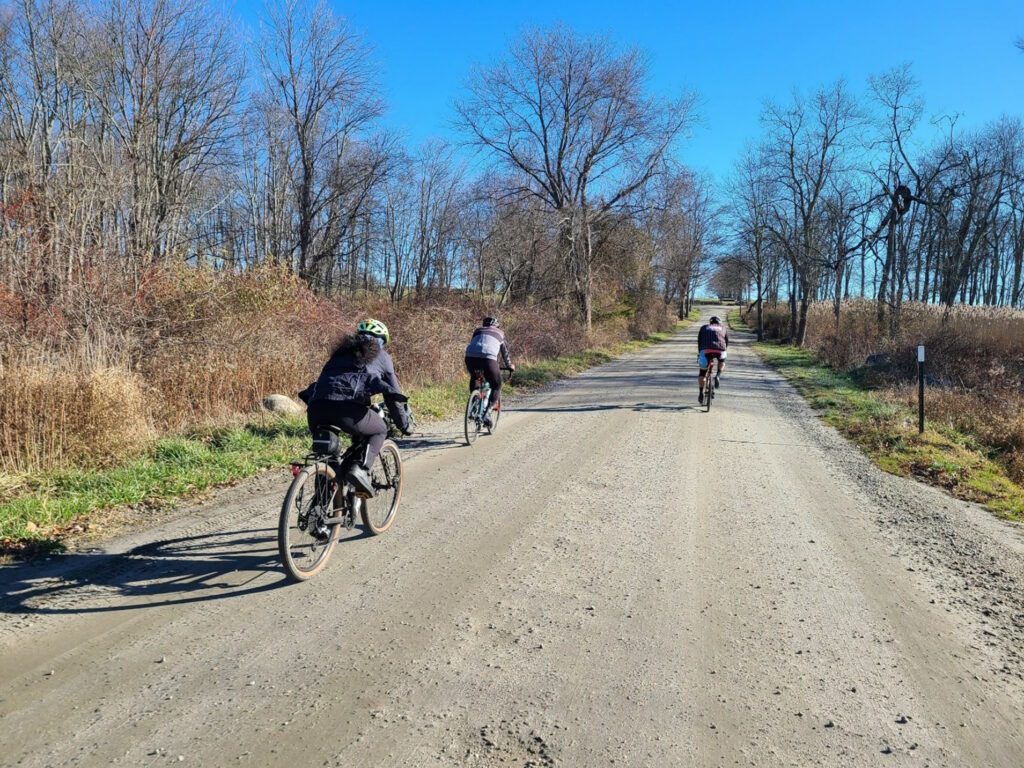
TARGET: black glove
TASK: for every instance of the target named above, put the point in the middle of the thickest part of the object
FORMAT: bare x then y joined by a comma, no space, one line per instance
410,424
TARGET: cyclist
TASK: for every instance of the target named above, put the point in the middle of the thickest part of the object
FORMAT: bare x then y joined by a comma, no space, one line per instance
487,344
712,342
359,367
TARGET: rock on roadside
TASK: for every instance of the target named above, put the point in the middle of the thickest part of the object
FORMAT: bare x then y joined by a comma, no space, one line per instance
283,405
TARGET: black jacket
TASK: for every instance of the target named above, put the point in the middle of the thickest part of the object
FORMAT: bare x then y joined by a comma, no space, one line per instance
359,369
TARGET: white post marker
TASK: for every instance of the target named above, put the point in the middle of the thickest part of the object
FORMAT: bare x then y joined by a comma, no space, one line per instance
920,354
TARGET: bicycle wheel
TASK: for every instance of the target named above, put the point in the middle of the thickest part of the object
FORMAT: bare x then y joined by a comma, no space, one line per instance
709,390
386,475
473,417
304,541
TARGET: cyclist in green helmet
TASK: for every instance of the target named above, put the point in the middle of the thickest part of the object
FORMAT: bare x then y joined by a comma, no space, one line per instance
359,367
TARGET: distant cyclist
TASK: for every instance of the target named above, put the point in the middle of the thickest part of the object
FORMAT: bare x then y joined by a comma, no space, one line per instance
712,342
359,367
486,346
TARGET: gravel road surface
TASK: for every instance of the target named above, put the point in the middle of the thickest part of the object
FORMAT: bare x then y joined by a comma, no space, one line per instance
615,578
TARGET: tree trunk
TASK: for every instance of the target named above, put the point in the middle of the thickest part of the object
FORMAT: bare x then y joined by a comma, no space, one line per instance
792,303
801,331
890,249
760,305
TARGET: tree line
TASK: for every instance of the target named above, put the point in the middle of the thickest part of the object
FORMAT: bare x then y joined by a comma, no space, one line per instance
845,196
138,133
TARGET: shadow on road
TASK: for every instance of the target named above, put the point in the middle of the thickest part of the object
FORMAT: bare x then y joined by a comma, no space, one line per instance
189,569
584,408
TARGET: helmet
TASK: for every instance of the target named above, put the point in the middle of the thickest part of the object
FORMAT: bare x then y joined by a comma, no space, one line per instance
715,320
491,322
374,328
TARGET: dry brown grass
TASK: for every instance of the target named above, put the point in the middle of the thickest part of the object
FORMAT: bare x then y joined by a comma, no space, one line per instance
95,377
993,416
60,411
974,358
967,346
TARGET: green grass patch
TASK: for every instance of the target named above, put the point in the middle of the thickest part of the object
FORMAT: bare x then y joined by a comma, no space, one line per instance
50,505
886,430
736,321
38,510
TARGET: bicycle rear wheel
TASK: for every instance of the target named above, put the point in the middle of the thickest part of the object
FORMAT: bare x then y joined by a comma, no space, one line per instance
709,390
304,541
386,475
473,417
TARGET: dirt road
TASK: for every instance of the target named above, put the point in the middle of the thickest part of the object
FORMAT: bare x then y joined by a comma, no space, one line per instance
615,578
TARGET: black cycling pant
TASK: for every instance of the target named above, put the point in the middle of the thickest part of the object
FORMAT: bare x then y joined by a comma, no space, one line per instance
491,373
353,418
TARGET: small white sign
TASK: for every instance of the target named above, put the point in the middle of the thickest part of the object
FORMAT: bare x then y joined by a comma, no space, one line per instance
920,354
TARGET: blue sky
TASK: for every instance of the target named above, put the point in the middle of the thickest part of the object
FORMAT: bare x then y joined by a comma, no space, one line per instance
734,54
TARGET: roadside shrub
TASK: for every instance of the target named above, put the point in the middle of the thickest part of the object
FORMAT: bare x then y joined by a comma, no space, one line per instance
94,375
966,347
974,360
650,315
775,319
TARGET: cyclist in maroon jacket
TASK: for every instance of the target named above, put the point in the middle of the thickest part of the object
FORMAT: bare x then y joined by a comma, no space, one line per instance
712,342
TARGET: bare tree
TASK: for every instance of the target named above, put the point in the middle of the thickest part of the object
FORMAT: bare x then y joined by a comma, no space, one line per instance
751,193
317,81
683,226
570,117
170,91
807,145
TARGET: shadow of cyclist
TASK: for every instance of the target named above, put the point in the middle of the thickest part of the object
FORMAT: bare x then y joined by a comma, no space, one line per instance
189,569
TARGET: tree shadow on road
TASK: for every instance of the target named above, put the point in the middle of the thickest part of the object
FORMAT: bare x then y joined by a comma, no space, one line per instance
589,407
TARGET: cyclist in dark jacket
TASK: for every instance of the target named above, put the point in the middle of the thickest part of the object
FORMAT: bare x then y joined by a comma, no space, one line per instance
358,368
712,343
482,353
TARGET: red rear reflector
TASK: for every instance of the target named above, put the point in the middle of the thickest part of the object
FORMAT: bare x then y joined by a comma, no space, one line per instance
295,471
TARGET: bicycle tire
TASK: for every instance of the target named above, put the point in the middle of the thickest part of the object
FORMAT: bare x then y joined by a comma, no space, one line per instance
709,395
302,554
472,420
378,513
495,415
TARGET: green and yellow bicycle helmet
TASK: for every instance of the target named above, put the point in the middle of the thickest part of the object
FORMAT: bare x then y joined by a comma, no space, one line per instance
374,328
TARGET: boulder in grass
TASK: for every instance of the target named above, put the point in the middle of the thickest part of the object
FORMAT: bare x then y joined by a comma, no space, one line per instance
282,405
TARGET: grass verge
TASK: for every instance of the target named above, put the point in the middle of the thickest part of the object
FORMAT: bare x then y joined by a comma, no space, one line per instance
736,321
39,511
885,428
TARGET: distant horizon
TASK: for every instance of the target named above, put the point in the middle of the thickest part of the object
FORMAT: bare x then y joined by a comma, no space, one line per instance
735,57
